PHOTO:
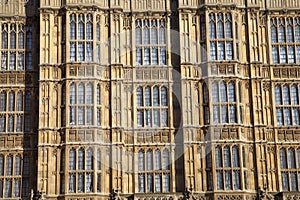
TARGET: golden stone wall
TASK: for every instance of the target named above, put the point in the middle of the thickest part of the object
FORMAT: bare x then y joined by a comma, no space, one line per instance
94,105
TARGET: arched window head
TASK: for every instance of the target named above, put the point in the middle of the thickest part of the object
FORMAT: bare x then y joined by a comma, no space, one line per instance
212,26
278,98
231,92
226,155
205,94
13,41
166,159
98,159
228,26
89,159
72,159
81,159
20,101
148,96
291,159
155,96
81,21
1,165
141,160
139,95
223,91
235,156
149,160
220,26
4,36
73,93
81,93
218,157
215,92
157,160
283,160
163,96
11,101
89,94
89,27
73,31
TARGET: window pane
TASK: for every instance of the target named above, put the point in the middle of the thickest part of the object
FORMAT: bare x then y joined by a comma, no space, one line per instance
228,180
220,182
11,120
221,51
281,33
286,95
8,188
140,118
1,165
150,183
98,182
73,31
147,96
235,157
274,34
141,183
154,56
216,114
223,92
89,52
72,160
278,97
149,160
89,159
157,160
224,114
166,160
89,183
232,113
162,58
89,31
212,27
285,182
12,61
156,117
72,51
163,96
227,160
141,161
138,34
138,56
4,62
283,161
293,179
287,116
164,118
166,179
291,54
213,54
20,61
17,188
98,159
229,51
80,159
294,94
81,51
72,182
11,101
147,56
295,116
154,35
80,183
1,188
236,182
220,26
218,153
291,159
157,183
275,54
282,54
17,167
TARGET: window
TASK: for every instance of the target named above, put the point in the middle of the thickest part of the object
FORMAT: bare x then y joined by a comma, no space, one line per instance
81,170
81,38
12,49
287,104
155,177
83,103
221,37
285,40
228,171
150,42
290,165
152,106
224,101
10,175
11,111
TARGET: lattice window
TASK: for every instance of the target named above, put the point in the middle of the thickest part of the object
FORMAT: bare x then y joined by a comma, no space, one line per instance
285,39
13,49
225,102
228,169
81,170
152,106
83,103
11,176
287,104
290,165
12,111
221,37
155,177
82,37
150,42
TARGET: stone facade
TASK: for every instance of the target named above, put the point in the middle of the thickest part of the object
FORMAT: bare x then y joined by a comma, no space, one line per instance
150,99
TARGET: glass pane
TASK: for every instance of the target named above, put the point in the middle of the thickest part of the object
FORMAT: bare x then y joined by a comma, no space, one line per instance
141,161
149,160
